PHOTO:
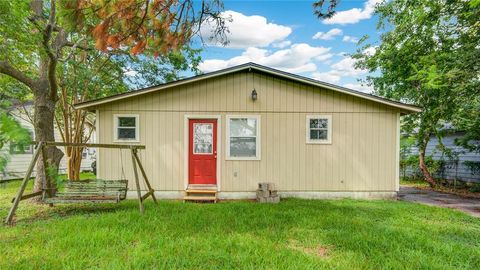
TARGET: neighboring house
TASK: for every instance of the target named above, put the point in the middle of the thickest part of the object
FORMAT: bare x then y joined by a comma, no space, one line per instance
236,127
19,159
464,165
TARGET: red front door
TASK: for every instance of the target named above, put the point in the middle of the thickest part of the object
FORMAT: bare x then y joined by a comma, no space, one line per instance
202,152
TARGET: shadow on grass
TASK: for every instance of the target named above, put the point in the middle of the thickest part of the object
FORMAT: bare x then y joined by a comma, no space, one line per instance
59,211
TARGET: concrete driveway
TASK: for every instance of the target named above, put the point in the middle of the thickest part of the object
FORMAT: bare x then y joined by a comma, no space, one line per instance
412,194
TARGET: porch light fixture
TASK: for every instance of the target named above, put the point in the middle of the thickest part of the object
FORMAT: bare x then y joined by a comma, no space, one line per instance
254,94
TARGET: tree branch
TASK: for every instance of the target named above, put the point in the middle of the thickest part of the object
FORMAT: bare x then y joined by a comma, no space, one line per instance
7,69
52,64
74,46
78,46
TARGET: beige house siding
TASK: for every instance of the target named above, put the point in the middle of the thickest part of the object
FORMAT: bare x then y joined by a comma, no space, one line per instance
362,156
231,93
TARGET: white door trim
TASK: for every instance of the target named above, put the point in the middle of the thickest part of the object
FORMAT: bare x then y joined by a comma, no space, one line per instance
186,145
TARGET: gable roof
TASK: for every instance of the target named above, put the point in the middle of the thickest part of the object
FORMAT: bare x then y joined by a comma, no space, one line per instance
406,108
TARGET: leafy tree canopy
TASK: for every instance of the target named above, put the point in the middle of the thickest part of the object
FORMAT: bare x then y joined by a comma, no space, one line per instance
427,55
59,52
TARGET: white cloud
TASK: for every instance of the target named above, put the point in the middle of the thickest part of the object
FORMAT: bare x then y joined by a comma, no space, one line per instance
329,76
342,68
308,67
328,35
347,68
296,59
323,57
353,15
350,39
359,87
282,44
247,31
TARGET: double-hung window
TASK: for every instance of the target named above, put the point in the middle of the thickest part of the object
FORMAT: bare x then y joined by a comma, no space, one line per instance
126,128
243,137
319,129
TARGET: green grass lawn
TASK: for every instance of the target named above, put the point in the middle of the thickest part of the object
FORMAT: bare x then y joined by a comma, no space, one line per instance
295,234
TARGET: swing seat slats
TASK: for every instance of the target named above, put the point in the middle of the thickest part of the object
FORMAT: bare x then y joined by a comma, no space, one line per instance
95,191
56,200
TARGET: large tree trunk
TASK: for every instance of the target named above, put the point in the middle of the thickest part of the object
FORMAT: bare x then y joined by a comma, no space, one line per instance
44,131
44,86
421,163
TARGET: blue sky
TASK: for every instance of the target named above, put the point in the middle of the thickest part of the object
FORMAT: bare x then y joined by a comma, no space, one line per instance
287,36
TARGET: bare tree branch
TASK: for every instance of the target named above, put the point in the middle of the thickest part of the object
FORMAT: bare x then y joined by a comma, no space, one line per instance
77,45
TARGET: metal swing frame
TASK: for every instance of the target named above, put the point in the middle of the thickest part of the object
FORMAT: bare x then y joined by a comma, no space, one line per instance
40,150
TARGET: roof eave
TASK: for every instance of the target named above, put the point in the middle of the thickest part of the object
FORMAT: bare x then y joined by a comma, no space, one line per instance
405,108
92,103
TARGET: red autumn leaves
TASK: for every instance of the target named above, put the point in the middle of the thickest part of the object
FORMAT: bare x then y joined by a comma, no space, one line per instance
159,26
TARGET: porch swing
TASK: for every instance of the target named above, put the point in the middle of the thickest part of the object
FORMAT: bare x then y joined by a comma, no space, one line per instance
90,190
85,191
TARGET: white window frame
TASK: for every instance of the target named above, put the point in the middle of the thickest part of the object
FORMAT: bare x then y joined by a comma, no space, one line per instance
257,141
115,128
329,129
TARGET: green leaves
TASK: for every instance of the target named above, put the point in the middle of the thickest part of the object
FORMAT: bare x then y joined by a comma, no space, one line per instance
146,71
428,55
324,10
429,76
18,35
474,3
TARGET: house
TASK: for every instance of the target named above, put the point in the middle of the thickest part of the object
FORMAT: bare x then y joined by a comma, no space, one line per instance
462,164
19,159
236,127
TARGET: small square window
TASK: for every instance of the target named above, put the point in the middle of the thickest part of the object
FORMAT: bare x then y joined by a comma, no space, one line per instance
319,129
126,128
